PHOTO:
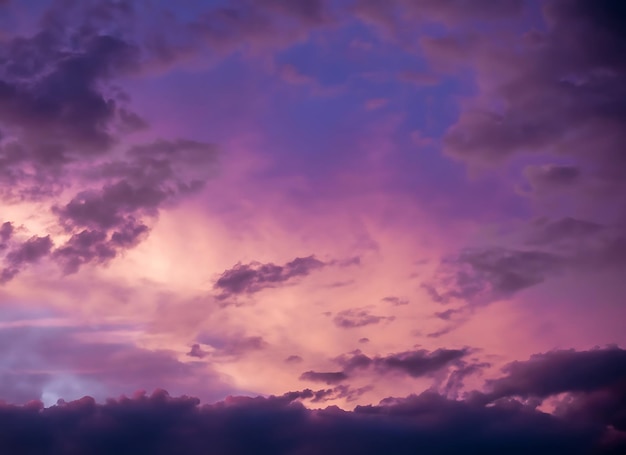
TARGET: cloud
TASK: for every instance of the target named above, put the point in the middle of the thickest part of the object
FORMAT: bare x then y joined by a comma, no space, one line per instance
594,384
561,92
550,177
391,15
63,117
28,252
427,423
326,377
355,317
413,363
566,230
293,359
561,371
482,275
395,300
238,26
254,277
57,104
112,218
339,392
6,232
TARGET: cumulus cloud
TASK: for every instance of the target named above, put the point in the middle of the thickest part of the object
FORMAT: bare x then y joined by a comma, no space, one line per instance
426,423
561,371
63,118
21,254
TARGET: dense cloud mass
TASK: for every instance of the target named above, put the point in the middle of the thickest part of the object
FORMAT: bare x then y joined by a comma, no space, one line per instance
427,423
62,121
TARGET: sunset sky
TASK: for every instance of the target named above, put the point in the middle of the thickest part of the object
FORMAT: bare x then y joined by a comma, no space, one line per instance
352,210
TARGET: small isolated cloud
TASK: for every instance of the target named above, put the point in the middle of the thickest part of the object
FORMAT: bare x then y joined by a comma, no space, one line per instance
293,359
333,377
413,363
356,317
561,371
254,277
395,300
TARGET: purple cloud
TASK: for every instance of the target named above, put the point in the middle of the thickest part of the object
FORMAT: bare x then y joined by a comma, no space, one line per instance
159,423
254,277
327,377
355,317
413,363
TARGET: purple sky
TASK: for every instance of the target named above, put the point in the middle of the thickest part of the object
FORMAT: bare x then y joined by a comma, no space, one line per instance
323,226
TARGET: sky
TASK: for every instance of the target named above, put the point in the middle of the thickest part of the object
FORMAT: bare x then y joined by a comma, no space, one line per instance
313,226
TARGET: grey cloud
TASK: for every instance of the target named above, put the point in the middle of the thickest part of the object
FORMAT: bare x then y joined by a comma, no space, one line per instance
326,377
482,275
28,252
356,317
413,363
254,277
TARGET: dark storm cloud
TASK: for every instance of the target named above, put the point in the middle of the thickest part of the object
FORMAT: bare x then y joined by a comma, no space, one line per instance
487,274
428,424
594,382
332,377
293,359
254,277
355,317
561,371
